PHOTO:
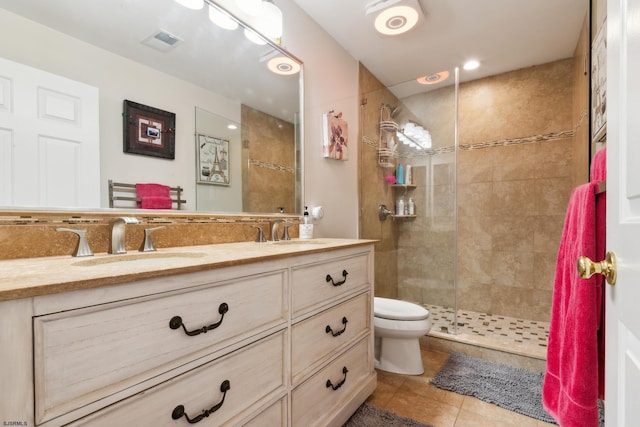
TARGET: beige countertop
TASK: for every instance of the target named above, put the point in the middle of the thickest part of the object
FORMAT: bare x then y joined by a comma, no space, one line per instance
29,277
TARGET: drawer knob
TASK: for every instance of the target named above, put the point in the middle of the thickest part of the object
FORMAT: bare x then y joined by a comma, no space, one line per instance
178,411
337,333
176,322
337,386
344,275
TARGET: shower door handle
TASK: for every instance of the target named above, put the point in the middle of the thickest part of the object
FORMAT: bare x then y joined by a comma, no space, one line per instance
607,267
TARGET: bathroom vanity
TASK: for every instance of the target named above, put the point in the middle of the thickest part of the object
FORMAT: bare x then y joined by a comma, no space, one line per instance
256,334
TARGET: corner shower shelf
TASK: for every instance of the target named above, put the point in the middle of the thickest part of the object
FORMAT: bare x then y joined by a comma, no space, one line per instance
394,216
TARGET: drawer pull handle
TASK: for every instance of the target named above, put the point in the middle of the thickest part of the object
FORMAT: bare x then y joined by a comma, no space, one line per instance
344,275
337,333
178,411
337,386
176,322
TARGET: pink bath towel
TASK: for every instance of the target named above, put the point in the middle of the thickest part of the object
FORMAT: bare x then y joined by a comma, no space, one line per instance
154,196
599,173
570,389
598,168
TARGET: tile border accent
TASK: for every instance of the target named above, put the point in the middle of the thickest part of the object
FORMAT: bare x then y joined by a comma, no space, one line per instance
553,136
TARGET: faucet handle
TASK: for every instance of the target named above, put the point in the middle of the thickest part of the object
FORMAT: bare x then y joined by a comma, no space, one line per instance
147,244
260,238
83,248
285,233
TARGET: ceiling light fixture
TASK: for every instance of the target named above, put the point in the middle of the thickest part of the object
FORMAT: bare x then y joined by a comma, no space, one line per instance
221,19
433,78
471,65
191,4
394,17
283,65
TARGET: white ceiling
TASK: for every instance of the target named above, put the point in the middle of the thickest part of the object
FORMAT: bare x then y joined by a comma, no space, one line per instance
503,35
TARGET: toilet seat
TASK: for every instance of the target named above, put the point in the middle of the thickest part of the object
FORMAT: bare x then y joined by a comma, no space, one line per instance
393,309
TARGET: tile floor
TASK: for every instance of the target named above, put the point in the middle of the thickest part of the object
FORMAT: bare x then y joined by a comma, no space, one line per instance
414,397
518,336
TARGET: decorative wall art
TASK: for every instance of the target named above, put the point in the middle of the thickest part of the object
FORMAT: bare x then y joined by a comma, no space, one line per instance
148,131
599,85
213,160
335,136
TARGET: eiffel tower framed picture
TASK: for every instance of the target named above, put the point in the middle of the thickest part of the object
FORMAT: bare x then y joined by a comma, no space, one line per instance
213,160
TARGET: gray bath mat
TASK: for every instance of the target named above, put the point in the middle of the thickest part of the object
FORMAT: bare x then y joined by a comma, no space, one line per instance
515,389
368,415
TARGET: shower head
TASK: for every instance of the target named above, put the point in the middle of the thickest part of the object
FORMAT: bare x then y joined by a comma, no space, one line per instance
393,111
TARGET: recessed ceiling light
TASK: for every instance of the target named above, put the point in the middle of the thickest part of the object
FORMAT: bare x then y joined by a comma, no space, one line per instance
232,126
471,65
283,65
433,78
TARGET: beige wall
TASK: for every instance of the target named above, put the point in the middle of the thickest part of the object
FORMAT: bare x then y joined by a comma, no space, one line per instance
331,83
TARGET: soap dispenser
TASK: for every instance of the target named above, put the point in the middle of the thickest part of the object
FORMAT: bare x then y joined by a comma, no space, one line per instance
306,226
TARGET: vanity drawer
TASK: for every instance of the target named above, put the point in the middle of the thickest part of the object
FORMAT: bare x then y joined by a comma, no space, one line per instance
315,401
253,374
84,355
324,282
274,416
313,339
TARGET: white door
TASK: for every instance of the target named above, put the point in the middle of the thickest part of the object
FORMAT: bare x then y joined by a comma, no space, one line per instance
49,139
622,384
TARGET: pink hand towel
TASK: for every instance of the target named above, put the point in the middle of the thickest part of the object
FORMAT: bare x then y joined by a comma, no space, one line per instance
155,202
154,196
570,389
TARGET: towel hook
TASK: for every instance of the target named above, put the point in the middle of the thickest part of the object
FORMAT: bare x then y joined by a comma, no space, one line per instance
607,267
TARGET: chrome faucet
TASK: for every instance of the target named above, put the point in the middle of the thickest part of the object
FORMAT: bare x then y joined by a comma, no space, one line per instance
117,244
274,229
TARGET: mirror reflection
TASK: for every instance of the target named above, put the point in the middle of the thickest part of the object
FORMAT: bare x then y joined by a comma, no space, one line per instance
163,55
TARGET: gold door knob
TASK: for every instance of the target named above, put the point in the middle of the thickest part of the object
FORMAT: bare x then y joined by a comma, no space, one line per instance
587,268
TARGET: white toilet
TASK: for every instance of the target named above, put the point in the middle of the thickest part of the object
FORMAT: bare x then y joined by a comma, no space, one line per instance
397,327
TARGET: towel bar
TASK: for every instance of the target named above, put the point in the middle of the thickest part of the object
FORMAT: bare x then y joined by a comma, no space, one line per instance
131,188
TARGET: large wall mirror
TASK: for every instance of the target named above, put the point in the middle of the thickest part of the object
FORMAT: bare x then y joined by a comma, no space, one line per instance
166,56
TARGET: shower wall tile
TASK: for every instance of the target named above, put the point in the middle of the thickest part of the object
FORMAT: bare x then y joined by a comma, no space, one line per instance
548,229
515,162
474,266
476,233
513,234
530,101
544,267
476,166
552,195
475,199
513,198
512,269
474,296
553,158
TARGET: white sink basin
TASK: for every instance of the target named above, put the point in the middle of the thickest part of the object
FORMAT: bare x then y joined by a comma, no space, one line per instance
140,258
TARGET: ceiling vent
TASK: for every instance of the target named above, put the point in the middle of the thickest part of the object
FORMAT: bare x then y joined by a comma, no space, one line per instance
162,40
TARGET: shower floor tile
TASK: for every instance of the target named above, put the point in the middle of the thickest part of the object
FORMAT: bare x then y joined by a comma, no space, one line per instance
524,337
